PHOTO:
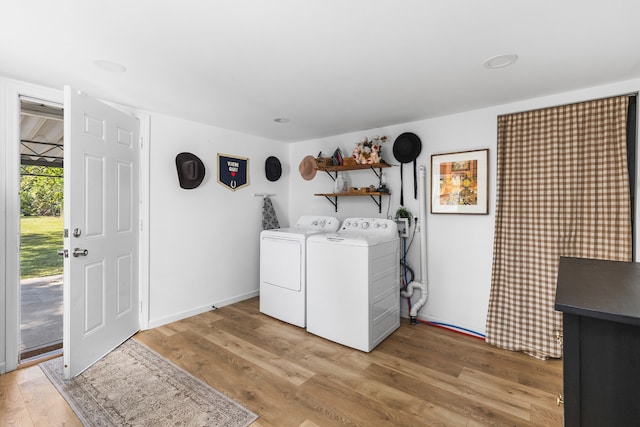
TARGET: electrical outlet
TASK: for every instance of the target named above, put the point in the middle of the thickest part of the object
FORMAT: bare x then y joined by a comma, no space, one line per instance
403,227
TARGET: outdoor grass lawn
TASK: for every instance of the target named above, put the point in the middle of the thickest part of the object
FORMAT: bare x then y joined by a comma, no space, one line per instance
40,240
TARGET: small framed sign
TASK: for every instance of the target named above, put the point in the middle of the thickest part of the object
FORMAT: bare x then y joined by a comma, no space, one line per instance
233,171
459,182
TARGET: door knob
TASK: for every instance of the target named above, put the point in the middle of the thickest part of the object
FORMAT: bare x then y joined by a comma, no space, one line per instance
80,252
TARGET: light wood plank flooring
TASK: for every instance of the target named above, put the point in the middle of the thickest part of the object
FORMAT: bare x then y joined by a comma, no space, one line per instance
420,376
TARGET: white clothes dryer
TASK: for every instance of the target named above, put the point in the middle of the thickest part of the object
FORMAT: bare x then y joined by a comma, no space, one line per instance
283,259
353,283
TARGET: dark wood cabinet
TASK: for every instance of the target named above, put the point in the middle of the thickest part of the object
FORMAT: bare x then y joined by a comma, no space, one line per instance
600,301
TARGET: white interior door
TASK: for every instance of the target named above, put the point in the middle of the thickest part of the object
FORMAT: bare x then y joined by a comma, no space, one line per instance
101,204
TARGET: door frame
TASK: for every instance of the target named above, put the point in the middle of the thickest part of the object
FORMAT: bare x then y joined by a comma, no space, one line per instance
12,90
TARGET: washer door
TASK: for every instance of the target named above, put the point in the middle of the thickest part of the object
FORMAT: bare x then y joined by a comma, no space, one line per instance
282,263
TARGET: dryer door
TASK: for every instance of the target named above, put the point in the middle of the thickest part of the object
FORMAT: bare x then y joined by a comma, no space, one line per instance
282,262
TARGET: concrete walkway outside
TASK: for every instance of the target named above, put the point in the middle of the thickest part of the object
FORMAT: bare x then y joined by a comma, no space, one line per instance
41,312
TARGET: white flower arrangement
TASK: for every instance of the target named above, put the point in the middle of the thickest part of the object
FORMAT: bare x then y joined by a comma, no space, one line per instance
369,151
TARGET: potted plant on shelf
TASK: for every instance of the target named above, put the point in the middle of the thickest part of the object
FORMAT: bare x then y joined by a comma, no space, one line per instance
403,212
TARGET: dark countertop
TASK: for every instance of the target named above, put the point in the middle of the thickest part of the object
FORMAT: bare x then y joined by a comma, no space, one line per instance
608,290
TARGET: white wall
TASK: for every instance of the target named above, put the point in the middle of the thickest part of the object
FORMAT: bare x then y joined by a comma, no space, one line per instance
204,243
460,247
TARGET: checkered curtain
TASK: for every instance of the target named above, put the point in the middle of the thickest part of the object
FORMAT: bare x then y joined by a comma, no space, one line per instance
562,190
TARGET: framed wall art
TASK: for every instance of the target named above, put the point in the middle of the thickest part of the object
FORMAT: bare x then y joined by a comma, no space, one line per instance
459,182
233,171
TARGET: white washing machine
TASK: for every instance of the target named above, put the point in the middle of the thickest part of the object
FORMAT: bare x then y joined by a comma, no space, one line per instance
353,283
283,267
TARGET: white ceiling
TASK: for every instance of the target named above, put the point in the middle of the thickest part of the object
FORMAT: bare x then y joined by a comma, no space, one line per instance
330,66
41,135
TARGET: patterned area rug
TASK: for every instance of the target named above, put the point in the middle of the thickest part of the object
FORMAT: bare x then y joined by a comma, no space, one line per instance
134,386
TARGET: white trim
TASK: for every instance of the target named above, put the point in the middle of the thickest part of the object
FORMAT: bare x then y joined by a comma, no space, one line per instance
202,309
143,235
474,330
11,285
3,233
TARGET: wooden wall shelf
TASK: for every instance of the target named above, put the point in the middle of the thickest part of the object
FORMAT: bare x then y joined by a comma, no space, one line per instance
348,193
376,196
353,167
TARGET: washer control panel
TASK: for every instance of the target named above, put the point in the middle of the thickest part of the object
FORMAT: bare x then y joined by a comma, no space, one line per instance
369,226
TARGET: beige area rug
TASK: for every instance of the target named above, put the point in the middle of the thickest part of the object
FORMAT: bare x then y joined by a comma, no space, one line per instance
134,386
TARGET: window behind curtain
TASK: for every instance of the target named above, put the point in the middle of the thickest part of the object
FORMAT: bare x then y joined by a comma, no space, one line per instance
562,190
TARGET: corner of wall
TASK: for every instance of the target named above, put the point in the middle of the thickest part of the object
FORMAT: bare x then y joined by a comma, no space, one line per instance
3,183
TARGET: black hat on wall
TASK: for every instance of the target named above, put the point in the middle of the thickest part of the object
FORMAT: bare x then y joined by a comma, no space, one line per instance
406,149
272,168
190,170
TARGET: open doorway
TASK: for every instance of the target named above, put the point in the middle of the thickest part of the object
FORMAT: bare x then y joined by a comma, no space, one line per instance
41,228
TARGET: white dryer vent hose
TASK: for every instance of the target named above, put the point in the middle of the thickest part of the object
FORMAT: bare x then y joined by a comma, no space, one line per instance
422,285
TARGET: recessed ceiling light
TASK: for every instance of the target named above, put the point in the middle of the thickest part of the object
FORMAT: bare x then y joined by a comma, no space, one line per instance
110,66
282,120
500,61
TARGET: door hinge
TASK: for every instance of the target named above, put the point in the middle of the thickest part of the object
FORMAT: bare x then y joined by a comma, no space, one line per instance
141,227
141,142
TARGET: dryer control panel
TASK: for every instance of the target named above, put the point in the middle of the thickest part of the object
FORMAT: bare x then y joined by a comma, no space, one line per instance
370,226
325,223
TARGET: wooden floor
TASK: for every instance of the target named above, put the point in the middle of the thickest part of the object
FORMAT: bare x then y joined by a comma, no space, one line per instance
420,376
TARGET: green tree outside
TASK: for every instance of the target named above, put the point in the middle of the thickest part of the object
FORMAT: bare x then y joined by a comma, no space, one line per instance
41,191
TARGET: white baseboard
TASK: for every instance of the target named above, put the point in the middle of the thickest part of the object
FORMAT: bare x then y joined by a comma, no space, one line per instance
466,329
154,323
